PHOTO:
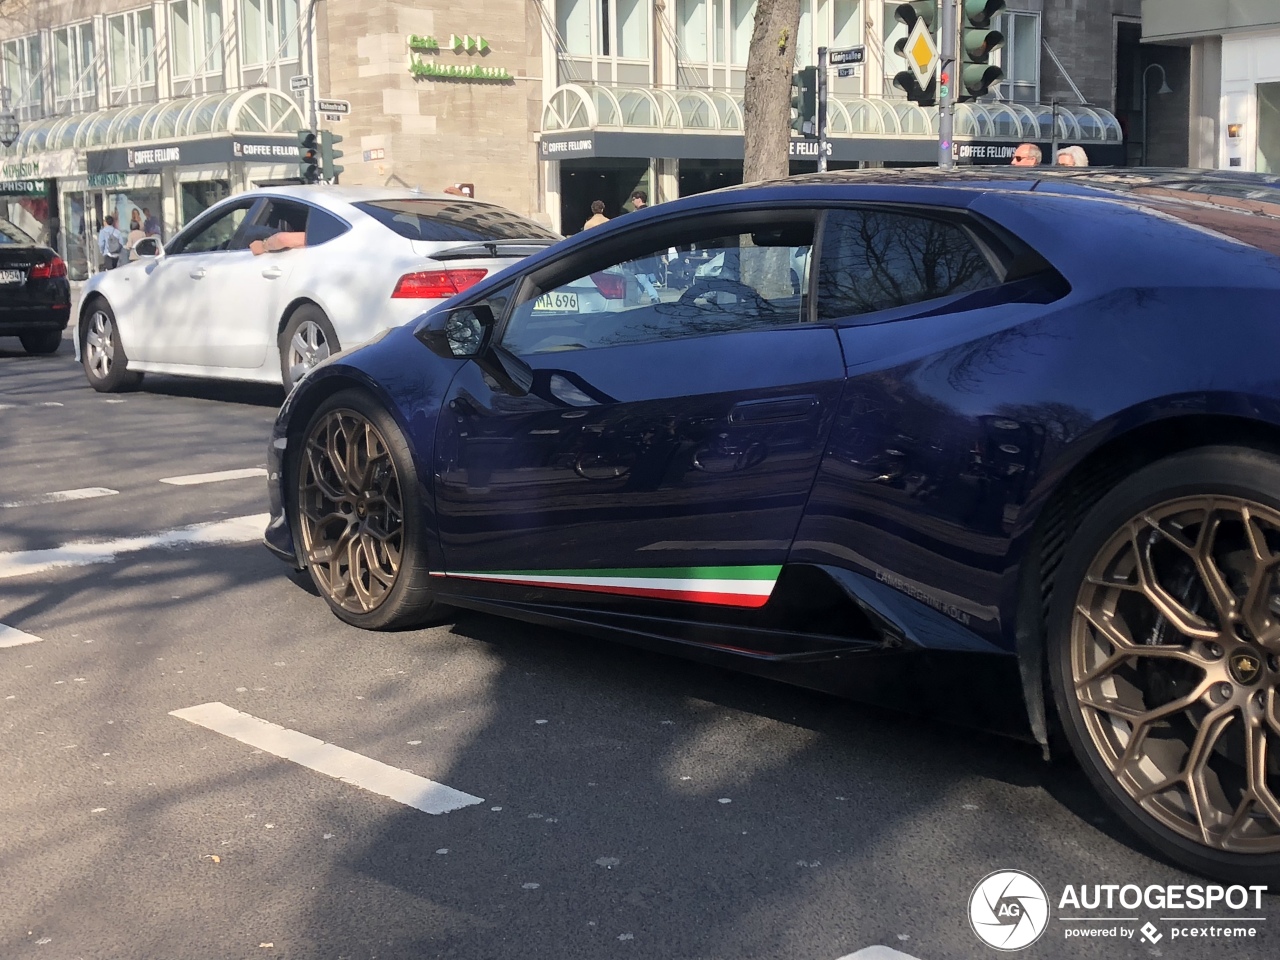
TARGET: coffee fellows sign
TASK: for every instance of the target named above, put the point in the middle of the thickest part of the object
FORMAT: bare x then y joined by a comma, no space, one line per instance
423,64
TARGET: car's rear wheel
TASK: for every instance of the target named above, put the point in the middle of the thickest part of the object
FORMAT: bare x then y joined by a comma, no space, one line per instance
307,339
1164,629
105,365
41,341
358,516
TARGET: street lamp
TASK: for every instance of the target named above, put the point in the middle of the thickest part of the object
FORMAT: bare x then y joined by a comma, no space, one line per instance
1164,88
8,122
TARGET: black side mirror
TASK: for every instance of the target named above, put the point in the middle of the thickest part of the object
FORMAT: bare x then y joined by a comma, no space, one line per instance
461,333
466,333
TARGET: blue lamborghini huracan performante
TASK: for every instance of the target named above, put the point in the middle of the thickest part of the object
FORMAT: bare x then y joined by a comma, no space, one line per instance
1004,445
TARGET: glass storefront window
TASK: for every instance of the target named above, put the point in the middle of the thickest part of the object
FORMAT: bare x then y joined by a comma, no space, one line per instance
252,31
605,28
200,196
269,42
691,29
742,16
1020,57
24,77
844,23
633,28
1268,128
195,43
131,56
573,21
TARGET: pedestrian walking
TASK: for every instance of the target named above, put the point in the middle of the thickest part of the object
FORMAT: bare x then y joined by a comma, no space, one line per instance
111,243
597,215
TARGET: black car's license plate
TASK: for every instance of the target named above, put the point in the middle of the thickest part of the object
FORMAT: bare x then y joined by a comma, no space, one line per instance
12,276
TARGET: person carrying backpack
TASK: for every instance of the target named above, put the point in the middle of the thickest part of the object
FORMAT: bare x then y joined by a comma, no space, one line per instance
112,244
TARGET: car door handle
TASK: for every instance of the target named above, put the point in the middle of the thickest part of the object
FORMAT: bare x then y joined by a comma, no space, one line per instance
197,273
272,273
773,411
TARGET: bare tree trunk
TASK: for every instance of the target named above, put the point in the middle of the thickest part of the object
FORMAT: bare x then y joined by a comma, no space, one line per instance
766,102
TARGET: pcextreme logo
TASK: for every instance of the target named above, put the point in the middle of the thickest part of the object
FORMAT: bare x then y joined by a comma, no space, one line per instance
1010,910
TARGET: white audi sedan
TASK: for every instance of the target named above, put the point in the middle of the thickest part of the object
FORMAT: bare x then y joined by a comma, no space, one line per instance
266,284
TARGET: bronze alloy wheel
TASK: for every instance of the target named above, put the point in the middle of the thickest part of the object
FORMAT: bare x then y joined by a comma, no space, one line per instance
1174,652
350,511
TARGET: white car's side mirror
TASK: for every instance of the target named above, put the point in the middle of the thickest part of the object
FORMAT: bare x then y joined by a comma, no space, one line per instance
149,248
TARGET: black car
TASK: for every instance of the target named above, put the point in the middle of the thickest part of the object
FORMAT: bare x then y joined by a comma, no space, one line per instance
35,297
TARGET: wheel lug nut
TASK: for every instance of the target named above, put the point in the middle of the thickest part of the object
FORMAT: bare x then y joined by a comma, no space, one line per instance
1274,663
1224,691
1213,651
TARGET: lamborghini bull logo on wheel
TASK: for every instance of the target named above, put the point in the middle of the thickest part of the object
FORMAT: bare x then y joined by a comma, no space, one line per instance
1245,667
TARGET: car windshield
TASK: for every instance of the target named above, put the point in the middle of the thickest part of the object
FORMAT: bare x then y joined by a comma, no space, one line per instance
9,234
449,220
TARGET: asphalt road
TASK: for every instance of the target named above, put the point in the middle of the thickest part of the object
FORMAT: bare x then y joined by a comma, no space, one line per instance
631,804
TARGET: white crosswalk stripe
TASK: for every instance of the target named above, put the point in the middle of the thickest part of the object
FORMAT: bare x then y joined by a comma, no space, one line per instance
372,775
13,637
24,563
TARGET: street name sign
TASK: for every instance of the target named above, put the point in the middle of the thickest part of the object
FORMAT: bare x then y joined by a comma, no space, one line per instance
300,82
333,106
842,55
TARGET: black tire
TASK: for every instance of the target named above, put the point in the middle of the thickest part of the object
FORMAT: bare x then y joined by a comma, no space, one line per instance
105,365
42,342
1143,764
408,600
309,325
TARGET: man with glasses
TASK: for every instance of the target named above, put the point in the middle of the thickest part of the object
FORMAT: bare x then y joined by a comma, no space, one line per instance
1027,155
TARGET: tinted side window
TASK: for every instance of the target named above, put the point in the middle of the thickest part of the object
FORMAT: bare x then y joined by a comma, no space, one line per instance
323,226
215,234
699,286
876,260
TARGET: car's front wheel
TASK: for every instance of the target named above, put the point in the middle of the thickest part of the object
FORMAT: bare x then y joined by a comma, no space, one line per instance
1164,634
41,342
105,365
358,518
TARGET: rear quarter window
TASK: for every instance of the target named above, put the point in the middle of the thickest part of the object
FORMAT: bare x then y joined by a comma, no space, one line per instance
450,220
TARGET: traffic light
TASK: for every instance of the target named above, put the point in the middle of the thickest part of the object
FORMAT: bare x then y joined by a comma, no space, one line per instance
804,101
308,157
328,155
977,42
909,14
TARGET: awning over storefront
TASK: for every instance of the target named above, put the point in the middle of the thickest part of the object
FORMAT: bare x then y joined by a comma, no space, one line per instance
586,119
259,111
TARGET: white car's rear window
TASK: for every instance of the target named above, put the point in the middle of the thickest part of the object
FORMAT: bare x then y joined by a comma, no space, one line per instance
448,220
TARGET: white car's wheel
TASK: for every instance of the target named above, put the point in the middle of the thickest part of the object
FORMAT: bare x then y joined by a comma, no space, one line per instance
307,339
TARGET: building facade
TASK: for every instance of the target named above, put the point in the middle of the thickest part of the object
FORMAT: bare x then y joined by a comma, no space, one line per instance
543,106
1233,53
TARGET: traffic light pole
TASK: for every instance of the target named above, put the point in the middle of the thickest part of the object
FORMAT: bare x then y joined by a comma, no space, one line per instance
948,34
822,110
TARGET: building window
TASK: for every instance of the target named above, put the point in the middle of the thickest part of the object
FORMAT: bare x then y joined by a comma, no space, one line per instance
131,56
74,83
1019,58
605,28
24,77
711,37
195,46
269,41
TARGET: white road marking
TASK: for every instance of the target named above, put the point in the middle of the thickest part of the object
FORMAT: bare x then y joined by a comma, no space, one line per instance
399,785
23,563
878,953
61,496
13,637
195,478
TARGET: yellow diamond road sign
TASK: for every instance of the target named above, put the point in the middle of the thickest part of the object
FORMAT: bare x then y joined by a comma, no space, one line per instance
921,52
